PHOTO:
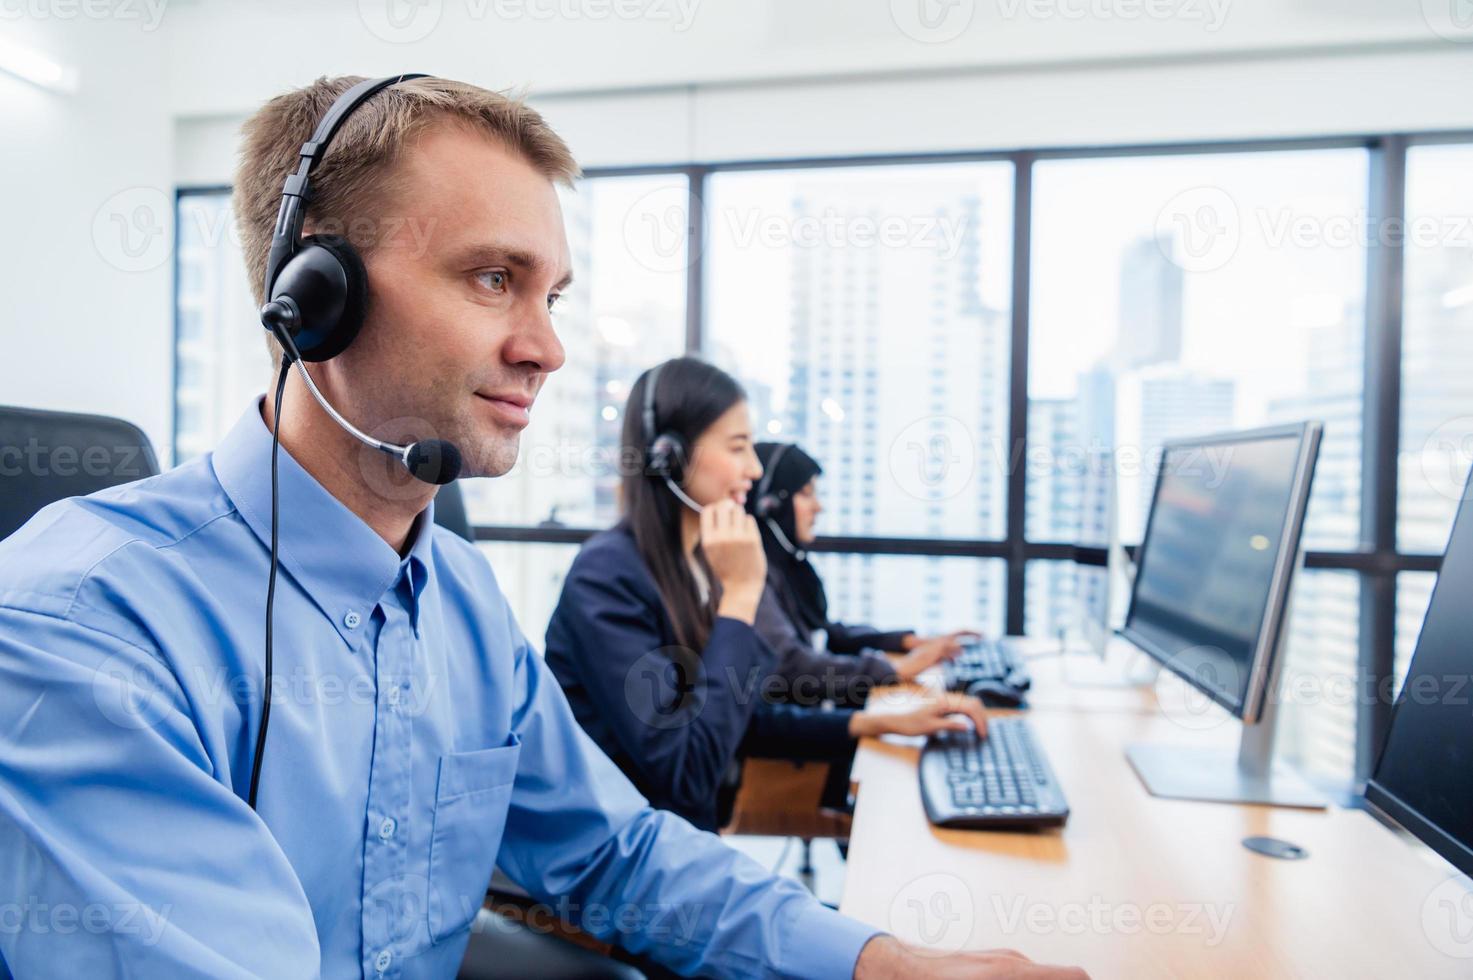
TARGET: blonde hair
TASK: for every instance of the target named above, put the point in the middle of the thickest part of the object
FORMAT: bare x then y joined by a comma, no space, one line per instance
356,176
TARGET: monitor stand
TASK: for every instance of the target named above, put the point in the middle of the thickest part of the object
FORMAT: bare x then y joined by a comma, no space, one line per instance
1247,774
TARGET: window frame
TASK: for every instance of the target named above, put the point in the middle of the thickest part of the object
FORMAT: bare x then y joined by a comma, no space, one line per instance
1377,560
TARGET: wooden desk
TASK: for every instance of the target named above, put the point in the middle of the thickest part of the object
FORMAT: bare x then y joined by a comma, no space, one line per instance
1135,886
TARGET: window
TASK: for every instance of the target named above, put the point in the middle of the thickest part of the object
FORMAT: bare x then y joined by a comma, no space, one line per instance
531,577
867,309
624,312
1184,295
1437,345
928,595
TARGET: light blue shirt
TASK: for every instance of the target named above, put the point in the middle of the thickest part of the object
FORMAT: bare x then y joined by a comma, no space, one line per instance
415,741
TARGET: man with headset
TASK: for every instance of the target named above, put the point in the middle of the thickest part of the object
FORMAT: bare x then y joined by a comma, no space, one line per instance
262,717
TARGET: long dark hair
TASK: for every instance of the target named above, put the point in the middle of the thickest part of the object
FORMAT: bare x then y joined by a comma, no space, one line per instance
690,395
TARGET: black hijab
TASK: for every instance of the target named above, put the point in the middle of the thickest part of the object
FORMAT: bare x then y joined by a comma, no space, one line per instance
786,469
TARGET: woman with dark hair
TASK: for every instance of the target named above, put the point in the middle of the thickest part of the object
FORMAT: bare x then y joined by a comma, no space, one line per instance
786,506
652,638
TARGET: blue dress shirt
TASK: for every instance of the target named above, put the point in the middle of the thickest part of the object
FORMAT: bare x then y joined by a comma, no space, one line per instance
416,740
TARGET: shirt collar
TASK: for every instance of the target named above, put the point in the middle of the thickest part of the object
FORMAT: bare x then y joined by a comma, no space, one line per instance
337,559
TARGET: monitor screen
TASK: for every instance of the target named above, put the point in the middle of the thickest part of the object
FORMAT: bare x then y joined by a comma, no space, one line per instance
1226,512
1424,777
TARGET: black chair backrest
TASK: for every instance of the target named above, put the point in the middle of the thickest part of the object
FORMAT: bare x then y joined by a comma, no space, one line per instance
48,456
450,511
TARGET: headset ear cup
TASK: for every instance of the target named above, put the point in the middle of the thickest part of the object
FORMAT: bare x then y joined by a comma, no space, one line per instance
327,281
667,457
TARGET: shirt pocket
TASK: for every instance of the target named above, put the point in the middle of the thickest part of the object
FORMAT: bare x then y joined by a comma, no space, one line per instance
472,794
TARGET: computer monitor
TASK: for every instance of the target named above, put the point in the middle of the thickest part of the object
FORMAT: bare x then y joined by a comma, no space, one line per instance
1424,776
1211,596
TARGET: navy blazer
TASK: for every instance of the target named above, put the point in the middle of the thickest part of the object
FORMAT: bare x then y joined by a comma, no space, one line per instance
674,720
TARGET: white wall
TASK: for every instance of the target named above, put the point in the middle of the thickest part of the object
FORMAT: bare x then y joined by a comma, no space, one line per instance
742,79
84,324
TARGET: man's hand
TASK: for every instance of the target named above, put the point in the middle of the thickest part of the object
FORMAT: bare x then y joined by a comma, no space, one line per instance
886,958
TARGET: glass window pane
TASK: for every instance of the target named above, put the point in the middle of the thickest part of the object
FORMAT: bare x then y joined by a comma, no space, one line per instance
531,577
1413,593
867,311
1067,601
624,313
1178,296
928,595
1317,717
1437,339
220,349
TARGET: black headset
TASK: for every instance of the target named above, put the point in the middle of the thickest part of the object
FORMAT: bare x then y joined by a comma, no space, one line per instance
316,287
316,295
664,452
768,503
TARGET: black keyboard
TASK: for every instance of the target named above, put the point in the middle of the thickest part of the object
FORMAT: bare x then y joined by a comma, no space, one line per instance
986,660
1001,781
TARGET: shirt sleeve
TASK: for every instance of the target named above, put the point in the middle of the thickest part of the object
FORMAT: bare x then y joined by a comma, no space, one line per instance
121,852
678,715
579,837
853,638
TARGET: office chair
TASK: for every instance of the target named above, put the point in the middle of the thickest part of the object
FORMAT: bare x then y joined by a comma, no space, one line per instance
450,511
49,456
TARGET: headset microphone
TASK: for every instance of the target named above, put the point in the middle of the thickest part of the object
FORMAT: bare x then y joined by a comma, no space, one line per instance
435,461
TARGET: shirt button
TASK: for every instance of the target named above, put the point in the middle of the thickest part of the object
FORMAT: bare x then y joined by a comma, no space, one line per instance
387,828
393,696
352,619
382,960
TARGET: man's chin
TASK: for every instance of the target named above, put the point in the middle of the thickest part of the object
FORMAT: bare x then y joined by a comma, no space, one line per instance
494,455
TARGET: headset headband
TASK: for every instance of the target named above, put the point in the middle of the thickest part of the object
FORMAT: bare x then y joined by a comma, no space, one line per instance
764,485
296,192
648,415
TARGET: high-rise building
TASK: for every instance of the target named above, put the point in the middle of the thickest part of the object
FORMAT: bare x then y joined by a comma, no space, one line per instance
863,315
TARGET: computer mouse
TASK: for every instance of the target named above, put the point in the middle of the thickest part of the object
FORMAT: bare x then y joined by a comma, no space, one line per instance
995,694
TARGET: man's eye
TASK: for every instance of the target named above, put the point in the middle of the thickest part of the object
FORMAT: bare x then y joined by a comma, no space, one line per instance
494,280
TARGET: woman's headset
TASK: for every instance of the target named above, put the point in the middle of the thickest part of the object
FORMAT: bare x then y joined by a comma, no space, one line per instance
664,452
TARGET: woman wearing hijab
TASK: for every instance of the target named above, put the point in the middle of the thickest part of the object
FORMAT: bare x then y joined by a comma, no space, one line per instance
786,506
652,638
